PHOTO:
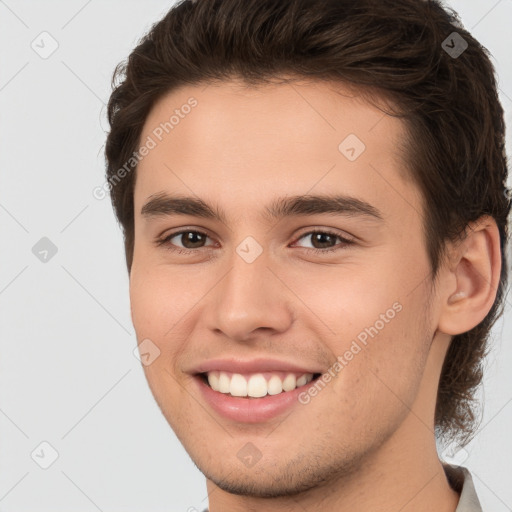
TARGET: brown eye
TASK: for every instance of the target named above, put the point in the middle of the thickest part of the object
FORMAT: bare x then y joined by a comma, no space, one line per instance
323,241
190,239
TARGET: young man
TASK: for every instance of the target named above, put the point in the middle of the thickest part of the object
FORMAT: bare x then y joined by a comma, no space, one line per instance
314,208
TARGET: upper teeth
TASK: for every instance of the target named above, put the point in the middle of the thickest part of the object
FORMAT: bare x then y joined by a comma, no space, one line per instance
256,385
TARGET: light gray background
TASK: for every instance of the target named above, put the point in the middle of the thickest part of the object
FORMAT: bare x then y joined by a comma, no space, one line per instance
68,375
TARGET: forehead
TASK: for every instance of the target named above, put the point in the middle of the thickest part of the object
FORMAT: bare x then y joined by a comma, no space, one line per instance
233,140
316,114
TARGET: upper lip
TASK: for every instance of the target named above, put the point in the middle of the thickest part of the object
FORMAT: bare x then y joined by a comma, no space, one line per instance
252,366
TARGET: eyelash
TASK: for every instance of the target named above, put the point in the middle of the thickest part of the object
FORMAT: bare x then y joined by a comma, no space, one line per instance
166,241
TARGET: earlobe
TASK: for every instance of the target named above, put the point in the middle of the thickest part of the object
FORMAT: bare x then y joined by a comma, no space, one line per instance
475,267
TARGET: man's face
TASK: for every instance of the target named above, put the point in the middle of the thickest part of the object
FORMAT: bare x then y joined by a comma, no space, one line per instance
251,287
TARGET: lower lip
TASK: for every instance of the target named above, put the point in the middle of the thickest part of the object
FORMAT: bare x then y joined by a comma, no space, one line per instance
250,410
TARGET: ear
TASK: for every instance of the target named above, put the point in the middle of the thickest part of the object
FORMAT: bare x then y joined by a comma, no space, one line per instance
472,277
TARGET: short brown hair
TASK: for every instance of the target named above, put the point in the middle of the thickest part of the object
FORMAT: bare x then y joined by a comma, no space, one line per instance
400,48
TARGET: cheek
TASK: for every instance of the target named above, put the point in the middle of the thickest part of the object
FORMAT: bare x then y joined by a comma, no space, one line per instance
376,379
159,299
379,333
153,316
164,304
351,298
158,306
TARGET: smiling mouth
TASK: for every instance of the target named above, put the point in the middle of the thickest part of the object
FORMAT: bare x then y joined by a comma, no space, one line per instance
258,388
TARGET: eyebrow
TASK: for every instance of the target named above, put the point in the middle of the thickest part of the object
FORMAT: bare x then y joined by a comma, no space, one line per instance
163,204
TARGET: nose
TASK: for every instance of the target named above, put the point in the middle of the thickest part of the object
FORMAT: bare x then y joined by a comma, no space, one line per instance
251,299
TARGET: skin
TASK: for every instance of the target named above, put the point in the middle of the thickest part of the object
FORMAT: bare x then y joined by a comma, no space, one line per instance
366,441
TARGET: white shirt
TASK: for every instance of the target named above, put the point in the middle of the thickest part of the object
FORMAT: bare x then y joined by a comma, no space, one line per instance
461,481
